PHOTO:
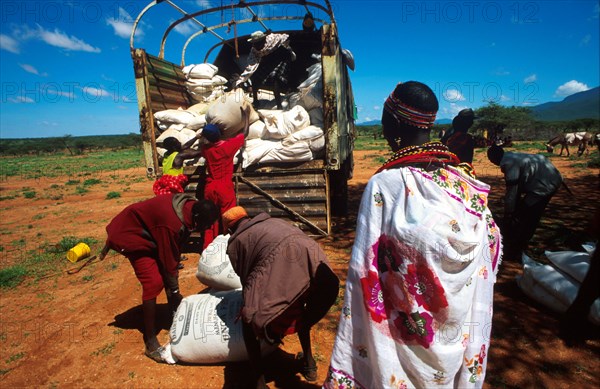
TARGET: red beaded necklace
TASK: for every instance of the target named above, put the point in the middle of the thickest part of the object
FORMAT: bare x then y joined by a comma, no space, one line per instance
430,153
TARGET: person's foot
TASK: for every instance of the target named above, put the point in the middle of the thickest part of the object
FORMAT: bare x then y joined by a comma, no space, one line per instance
155,354
307,369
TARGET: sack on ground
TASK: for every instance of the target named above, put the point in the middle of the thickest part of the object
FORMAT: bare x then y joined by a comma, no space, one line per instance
552,288
206,329
214,266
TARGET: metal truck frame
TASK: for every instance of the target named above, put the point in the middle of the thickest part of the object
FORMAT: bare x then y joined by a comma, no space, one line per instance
307,194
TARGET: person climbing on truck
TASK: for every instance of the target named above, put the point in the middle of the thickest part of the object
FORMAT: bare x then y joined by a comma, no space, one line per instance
173,180
219,155
275,50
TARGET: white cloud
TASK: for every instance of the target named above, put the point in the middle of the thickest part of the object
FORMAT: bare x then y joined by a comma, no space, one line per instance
9,44
21,99
504,98
376,107
530,78
596,11
451,111
186,28
203,3
453,95
95,92
58,92
123,24
58,38
568,88
585,40
501,72
30,69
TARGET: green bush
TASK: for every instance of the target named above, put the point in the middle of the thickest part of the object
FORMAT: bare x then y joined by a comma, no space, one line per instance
91,181
29,194
113,195
12,276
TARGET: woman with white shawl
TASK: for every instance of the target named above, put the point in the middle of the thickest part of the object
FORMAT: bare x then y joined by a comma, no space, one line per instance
418,301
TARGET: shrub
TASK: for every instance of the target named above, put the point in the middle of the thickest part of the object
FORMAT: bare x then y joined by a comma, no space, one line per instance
12,276
113,195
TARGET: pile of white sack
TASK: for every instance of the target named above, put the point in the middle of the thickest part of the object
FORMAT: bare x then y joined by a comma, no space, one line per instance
293,135
557,286
203,83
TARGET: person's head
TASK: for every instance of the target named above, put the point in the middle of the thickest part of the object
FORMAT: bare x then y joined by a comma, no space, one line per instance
211,132
495,154
408,114
232,217
258,39
172,144
204,214
464,120
308,23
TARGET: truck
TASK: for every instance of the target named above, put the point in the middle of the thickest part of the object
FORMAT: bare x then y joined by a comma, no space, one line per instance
308,194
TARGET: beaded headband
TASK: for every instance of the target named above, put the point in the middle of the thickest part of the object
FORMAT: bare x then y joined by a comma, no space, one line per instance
404,113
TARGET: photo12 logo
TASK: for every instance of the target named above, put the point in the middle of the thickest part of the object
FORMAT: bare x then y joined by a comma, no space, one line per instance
475,92
54,92
468,11
68,11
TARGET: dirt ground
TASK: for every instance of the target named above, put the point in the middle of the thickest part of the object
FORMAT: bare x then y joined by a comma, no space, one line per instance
84,330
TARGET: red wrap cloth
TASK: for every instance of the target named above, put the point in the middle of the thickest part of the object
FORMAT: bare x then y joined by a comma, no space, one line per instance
219,181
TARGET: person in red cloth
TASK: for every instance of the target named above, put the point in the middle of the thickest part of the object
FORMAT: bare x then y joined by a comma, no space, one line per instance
150,233
219,155
173,180
460,142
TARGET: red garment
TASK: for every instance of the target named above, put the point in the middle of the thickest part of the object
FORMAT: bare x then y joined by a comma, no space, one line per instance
169,184
463,145
147,272
219,181
152,229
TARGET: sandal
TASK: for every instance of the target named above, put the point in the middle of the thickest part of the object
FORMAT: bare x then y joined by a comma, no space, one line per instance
155,354
308,372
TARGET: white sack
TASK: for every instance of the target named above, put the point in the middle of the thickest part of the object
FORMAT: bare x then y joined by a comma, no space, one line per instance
226,113
551,288
308,133
175,116
573,263
214,266
203,95
202,70
256,149
297,152
257,130
206,83
317,144
168,133
206,329
283,123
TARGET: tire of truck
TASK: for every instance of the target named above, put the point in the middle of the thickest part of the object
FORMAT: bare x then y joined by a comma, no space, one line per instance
338,181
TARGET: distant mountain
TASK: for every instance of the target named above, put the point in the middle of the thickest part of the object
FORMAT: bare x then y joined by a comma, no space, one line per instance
378,122
582,105
370,123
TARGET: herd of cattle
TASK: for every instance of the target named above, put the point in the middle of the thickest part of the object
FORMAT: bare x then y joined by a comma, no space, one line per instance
583,140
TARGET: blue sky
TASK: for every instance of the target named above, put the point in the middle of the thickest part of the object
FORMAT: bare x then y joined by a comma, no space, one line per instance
65,66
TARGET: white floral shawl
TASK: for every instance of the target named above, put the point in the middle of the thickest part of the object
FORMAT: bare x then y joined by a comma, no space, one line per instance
418,302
